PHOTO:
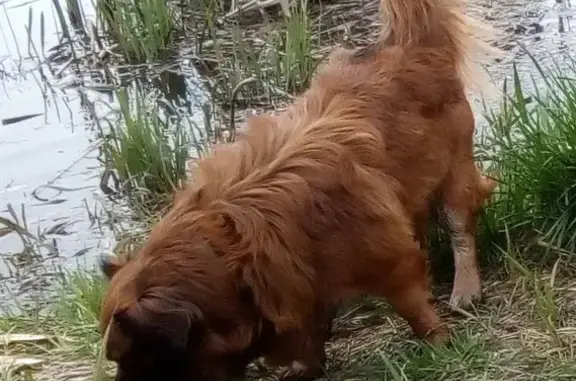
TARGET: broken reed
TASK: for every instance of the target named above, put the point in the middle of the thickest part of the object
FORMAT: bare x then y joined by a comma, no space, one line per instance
262,62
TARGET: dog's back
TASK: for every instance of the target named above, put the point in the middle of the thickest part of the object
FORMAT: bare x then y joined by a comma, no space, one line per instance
334,187
411,85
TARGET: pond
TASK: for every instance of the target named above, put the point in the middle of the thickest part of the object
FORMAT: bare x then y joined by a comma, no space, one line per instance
50,108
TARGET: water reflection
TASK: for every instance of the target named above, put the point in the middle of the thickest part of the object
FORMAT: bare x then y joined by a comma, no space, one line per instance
49,169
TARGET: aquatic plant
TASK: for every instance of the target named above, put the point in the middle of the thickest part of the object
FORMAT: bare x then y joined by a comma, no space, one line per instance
144,29
148,152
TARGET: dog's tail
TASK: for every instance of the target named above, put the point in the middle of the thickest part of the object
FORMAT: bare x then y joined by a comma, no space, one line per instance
438,24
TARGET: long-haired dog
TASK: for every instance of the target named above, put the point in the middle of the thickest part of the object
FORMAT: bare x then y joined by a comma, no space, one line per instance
323,203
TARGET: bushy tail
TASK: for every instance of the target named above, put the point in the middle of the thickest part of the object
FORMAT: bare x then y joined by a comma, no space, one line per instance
439,24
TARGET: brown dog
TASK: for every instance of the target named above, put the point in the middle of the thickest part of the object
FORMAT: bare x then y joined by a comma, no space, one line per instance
323,203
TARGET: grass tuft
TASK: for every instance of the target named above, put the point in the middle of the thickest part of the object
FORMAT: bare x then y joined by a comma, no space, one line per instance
291,53
534,157
70,325
144,29
279,56
148,152
468,353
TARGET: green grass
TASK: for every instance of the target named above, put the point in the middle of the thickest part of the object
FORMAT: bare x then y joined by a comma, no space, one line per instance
70,324
534,156
148,153
291,51
144,29
469,353
503,340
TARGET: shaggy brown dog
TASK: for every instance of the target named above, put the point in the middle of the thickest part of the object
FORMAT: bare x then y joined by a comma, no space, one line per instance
323,203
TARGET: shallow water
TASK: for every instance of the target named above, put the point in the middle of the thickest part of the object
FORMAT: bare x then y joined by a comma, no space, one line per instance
49,165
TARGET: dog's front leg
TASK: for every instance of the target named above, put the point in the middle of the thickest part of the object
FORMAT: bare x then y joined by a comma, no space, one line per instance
301,352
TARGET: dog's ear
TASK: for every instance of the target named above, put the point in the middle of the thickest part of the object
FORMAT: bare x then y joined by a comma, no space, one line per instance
109,265
160,318
278,281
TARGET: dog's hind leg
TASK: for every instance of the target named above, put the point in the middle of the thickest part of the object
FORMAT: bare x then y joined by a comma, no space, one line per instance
397,271
406,288
463,196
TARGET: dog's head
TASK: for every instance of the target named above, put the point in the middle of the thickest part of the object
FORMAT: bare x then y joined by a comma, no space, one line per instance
214,283
159,325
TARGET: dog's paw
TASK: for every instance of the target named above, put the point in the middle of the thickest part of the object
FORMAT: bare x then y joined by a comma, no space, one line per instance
300,372
439,336
465,297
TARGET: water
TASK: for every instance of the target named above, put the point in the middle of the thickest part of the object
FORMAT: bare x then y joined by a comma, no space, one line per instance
541,28
49,161
49,167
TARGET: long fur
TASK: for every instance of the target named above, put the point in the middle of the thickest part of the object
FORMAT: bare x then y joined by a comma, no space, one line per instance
444,23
